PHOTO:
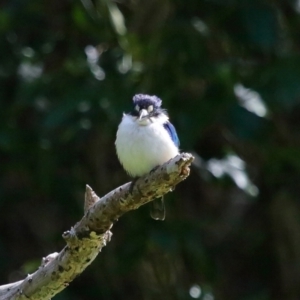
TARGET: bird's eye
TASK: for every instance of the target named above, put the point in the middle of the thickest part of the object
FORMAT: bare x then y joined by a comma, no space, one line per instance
137,108
150,108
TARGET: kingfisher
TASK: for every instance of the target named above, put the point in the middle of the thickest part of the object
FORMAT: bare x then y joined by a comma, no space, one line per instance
146,139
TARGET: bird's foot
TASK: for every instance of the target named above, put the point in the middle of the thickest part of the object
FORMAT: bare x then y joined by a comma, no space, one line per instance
133,182
154,169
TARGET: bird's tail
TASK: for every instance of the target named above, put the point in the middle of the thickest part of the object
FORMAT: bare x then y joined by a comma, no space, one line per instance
157,209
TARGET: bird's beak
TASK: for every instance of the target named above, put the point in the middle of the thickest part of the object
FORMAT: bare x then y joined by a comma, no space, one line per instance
143,113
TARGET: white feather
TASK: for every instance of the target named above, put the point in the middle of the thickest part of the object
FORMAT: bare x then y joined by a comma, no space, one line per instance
143,144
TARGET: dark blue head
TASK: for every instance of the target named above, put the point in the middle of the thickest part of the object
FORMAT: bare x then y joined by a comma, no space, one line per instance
146,103
146,100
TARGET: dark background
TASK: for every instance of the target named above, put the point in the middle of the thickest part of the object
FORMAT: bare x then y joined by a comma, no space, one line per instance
228,72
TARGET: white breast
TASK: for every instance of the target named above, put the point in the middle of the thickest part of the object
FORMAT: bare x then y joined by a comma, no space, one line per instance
140,148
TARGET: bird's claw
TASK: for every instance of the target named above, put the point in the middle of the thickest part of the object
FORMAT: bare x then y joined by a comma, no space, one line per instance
132,184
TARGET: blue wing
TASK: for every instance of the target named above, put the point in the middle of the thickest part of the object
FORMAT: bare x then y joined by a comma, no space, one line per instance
172,132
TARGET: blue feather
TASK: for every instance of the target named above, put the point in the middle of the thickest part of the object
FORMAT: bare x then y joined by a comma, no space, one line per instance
172,132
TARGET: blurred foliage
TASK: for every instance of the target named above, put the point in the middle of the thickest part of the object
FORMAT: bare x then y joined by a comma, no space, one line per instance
228,72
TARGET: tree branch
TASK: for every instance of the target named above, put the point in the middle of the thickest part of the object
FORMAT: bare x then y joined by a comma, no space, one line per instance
86,239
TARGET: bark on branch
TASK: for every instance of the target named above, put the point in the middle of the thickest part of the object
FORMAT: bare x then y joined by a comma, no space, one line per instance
86,239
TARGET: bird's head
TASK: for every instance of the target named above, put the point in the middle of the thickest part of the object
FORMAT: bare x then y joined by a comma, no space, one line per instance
147,109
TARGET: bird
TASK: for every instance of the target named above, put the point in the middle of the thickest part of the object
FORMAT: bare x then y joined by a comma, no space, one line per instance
145,140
